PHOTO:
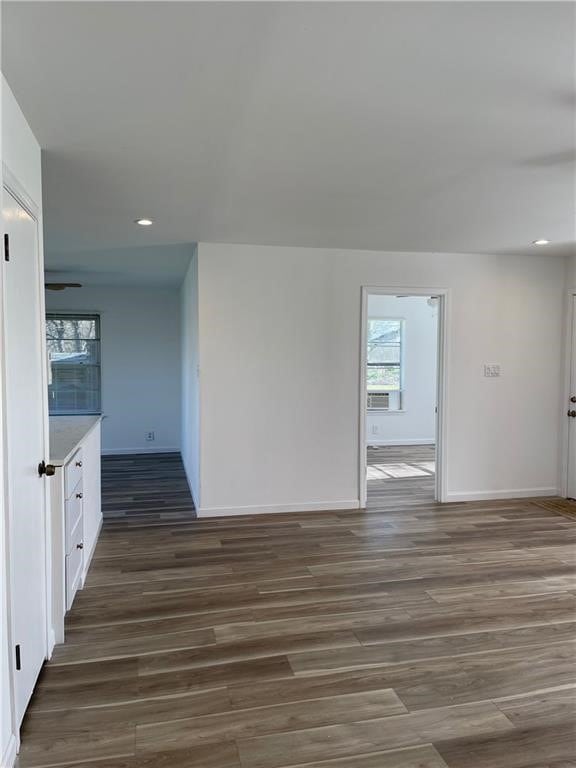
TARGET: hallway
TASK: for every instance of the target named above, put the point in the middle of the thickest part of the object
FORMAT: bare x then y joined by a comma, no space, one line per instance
420,636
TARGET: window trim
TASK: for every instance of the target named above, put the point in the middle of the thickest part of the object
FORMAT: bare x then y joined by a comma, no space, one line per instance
68,314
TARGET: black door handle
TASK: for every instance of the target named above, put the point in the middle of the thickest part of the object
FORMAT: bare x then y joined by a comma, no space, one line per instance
46,469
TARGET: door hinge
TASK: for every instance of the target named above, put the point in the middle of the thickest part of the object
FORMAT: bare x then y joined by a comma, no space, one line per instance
6,247
18,662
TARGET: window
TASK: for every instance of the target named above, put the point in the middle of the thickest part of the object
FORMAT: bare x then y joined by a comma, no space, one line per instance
384,360
74,351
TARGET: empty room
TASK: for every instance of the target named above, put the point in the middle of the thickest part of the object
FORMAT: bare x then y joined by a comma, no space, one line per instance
288,384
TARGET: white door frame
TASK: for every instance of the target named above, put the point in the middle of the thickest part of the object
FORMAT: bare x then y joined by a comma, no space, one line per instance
569,350
443,295
11,185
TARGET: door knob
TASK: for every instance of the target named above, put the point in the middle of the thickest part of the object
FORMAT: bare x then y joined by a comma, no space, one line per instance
573,399
572,414
46,469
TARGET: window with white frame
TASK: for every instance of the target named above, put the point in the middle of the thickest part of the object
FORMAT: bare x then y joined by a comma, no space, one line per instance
384,373
73,343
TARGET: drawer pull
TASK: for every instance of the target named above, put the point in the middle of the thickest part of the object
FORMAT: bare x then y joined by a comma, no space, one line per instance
79,495
78,463
80,546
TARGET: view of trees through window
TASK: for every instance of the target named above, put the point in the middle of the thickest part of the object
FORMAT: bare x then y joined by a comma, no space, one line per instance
384,356
73,343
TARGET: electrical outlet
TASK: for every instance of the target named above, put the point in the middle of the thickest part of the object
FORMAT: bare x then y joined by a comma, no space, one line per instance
150,436
491,371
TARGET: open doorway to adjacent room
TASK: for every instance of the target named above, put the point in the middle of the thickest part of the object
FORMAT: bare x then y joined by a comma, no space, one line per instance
401,385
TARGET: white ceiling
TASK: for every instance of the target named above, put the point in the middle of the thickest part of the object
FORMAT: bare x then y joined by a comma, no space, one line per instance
400,126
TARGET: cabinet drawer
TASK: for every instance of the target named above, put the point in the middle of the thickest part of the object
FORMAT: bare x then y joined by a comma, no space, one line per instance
73,473
74,562
73,514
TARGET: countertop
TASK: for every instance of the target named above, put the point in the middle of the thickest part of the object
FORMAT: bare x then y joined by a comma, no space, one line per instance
66,433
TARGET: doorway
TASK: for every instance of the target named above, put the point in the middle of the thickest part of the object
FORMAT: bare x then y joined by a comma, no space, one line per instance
401,396
571,406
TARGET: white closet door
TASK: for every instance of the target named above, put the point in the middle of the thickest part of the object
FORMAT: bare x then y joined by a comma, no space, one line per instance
25,445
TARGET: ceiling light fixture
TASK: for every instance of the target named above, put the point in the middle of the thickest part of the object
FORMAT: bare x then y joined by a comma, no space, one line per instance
144,222
541,241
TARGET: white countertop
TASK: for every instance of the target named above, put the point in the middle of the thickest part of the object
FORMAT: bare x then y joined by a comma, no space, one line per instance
66,433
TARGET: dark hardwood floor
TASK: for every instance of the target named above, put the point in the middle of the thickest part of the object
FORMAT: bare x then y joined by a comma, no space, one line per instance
145,487
407,636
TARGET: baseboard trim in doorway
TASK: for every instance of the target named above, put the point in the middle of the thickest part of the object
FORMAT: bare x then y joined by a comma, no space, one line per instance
313,506
51,642
383,443
10,753
90,554
128,451
522,493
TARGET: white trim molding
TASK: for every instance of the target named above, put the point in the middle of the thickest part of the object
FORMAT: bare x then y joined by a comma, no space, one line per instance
89,555
127,451
311,506
10,753
11,183
516,493
412,441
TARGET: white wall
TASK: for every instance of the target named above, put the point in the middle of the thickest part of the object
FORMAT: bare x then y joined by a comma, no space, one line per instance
190,379
415,423
279,363
140,330
20,152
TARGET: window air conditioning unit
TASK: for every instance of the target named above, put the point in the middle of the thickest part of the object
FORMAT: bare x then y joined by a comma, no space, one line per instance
379,400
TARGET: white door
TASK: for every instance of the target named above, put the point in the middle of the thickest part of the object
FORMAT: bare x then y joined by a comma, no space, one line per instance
571,411
25,433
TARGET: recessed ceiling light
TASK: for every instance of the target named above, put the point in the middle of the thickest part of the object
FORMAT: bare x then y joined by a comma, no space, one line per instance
541,241
144,222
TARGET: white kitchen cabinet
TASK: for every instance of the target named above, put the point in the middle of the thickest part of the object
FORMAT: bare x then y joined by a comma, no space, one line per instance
76,509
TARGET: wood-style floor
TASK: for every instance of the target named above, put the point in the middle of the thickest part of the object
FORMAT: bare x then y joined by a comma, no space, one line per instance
147,487
412,636
401,473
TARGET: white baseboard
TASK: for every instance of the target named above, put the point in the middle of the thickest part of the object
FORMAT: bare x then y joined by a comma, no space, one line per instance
190,485
518,493
124,451
9,756
51,642
88,555
313,506
372,440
